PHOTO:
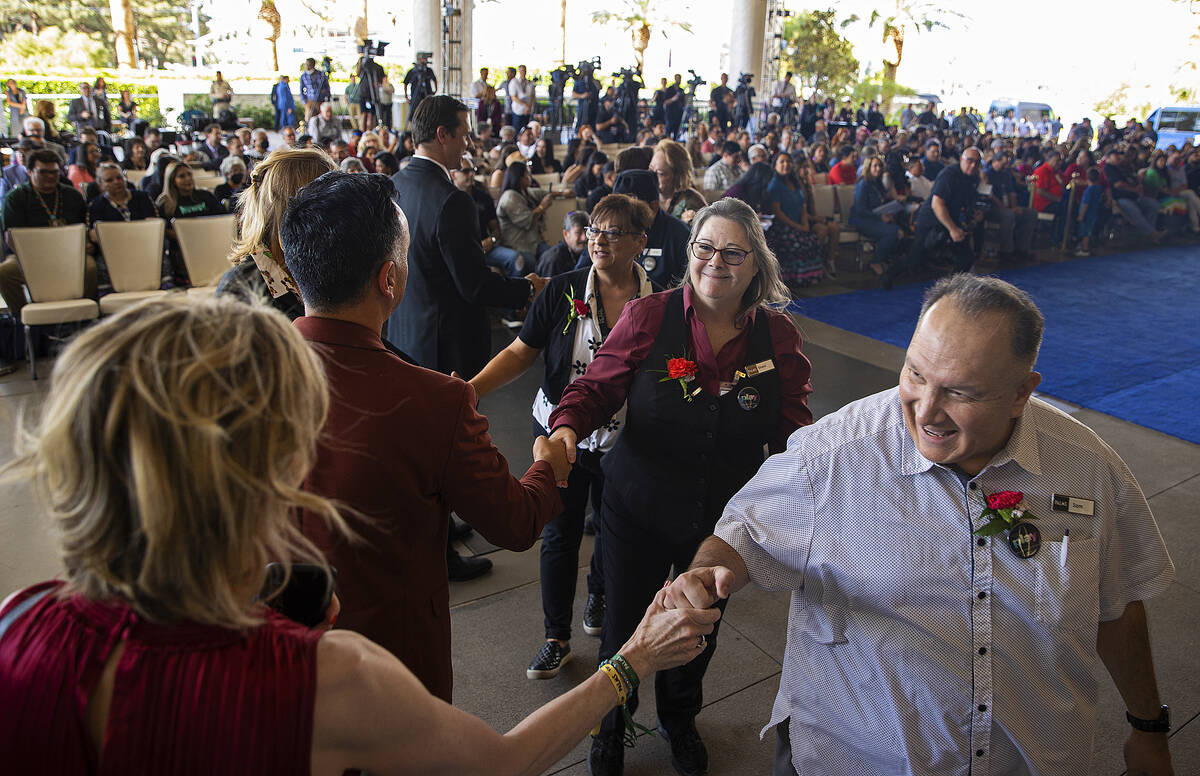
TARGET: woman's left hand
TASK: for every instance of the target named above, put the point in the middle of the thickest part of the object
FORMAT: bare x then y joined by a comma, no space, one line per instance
687,216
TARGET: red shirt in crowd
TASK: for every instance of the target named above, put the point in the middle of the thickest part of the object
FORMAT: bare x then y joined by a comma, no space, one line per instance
843,173
1048,179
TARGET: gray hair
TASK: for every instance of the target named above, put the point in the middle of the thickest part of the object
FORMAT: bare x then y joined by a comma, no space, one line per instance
508,132
766,289
575,218
33,121
352,164
976,296
229,162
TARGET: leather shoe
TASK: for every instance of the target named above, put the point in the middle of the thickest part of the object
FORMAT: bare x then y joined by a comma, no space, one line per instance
459,530
689,756
461,569
607,755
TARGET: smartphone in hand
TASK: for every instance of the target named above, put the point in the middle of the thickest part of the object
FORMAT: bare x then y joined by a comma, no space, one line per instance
307,595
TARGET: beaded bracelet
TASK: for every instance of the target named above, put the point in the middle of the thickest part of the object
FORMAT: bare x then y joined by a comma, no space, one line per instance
627,673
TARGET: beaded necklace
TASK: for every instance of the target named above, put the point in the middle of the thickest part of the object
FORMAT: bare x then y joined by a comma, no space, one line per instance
53,215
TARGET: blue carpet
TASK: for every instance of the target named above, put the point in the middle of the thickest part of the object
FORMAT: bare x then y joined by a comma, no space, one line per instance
1122,331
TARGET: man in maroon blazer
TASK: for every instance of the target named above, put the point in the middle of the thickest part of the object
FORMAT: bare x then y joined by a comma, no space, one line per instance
402,445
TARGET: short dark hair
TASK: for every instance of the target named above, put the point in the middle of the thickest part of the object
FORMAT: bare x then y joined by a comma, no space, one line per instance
337,232
387,159
636,158
632,212
975,296
43,156
211,127
730,147
1093,174
439,110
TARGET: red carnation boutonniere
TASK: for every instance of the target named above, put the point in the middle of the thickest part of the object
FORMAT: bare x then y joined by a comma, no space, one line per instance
1004,510
576,309
684,370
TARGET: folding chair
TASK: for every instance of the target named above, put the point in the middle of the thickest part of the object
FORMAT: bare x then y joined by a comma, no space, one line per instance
52,259
205,242
133,254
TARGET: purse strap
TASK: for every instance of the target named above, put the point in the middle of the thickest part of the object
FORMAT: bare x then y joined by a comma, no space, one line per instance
7,620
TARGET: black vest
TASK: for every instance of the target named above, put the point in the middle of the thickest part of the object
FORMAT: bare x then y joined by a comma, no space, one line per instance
677,462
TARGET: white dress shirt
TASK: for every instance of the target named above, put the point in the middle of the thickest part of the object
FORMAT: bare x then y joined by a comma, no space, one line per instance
915,647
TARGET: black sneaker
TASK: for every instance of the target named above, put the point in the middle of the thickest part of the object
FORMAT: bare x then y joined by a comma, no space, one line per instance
593,614
607,755
552,656
689,756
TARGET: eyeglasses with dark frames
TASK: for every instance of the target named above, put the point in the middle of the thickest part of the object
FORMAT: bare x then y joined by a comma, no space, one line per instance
611,234
731,256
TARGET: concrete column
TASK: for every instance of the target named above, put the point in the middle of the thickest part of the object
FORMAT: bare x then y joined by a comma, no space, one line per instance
746,40
427,32
468,46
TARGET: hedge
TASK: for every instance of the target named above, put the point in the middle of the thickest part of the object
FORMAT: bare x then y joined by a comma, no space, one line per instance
145,95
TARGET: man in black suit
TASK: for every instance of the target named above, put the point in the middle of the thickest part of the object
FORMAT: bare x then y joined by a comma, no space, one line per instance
443,320
213,148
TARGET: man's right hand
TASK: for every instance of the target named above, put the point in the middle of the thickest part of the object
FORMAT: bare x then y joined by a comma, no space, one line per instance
957,235
700,588
566,436
538,282
553,454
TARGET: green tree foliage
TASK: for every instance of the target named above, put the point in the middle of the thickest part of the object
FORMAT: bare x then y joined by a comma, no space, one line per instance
163,26
821,59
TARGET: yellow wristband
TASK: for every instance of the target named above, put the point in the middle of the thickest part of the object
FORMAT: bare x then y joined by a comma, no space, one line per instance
611,672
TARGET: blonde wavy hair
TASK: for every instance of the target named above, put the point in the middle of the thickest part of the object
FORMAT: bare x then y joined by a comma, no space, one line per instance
169,451
679,164
273,183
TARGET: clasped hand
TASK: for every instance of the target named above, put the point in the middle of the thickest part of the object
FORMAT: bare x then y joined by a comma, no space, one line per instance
699,588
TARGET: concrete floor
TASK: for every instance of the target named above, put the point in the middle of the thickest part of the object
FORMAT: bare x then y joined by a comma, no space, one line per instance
497,620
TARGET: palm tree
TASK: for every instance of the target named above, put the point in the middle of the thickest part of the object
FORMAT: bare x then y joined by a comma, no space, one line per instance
638,16
122,22
904,15
269,14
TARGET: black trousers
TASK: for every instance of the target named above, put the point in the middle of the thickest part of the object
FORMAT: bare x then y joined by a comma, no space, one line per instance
783,751
637,563
964,255
674,118
561,537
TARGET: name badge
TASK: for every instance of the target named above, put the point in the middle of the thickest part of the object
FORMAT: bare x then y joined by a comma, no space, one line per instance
750,370
1076,506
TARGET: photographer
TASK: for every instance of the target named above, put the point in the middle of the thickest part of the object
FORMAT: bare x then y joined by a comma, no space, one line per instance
314,88
744,99
611,126
674,101
717,102
586,91
419,82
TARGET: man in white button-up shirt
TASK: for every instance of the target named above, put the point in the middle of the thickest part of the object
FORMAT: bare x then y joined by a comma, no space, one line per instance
917,642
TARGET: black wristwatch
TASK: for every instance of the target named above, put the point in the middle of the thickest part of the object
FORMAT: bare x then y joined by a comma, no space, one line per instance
1160,725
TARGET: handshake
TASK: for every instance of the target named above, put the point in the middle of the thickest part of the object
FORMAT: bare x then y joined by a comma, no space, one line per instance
559,451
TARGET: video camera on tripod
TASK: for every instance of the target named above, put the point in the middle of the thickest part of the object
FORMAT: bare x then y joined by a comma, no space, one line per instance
744,96
626,104
694,81
370,48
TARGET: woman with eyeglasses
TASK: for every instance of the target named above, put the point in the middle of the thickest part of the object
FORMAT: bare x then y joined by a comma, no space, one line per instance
566,325
710,374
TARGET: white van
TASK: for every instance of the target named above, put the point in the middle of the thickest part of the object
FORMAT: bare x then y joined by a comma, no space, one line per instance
1176,126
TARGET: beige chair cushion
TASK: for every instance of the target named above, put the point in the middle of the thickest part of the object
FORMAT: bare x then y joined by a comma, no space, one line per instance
115,303
206,242
553,219
133,252
66,311
52,260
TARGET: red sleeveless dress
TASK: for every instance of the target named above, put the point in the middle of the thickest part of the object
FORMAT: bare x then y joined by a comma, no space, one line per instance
187,698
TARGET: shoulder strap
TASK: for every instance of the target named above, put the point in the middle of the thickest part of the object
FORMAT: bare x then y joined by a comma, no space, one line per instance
7,620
